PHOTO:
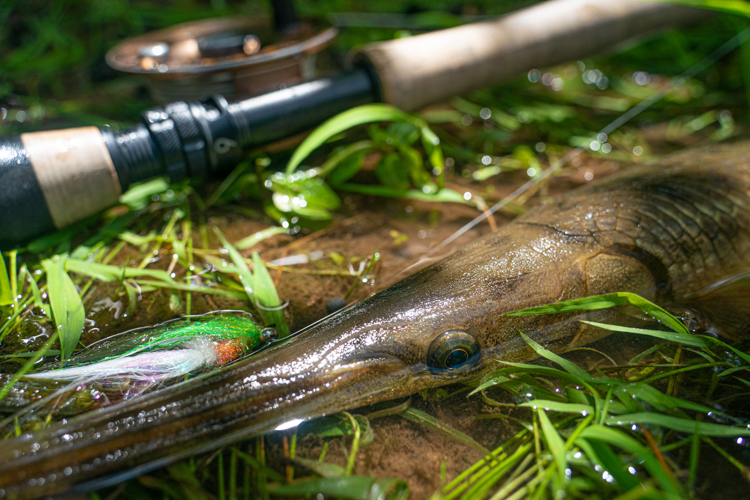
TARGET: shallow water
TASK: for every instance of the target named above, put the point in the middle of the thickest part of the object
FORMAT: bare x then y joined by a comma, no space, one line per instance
400,448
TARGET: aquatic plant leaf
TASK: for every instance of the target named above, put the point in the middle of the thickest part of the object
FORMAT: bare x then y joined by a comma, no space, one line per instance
680,338
544,371
388,488
323,469
604,434
67,307
554,442
339,425
392,172
744,356
337,166
568,366
254,239
347,167
35,293
431,422
661,401
307,187
351,487
141,194
268,298
106,272
243,271
6,295
557,406
678,424
368,113
149,285
611,462
607,301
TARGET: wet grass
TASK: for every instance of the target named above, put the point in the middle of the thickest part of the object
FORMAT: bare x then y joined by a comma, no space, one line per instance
579,431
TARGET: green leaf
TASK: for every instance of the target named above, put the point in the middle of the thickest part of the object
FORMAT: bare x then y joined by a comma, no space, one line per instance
243,271
568,366
561,407
351,487
611,436
106,272
67,307
392,172
323,469
368,113
680,338
341,162
607,301
555,443
6,295
268,299
431,422
254,239
140,195
678,424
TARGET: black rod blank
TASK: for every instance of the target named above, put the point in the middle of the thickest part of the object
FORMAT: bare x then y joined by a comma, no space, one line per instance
50,179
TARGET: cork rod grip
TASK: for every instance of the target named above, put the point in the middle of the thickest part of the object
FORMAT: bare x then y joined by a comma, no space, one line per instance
74,171
428,68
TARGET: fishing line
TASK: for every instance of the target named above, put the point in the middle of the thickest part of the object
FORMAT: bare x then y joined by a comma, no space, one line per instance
707,61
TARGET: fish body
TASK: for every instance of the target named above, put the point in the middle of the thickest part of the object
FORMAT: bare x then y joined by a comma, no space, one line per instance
664,232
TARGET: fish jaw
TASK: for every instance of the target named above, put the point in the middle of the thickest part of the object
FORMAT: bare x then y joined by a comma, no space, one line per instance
326,370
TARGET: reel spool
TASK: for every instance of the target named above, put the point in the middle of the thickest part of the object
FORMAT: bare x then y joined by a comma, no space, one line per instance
234,57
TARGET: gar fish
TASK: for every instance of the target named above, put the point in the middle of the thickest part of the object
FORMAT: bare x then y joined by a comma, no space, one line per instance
664,232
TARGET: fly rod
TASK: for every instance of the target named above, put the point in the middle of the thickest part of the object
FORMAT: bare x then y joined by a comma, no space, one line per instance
50,179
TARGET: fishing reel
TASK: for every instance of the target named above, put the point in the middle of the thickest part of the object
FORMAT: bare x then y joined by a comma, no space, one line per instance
234,57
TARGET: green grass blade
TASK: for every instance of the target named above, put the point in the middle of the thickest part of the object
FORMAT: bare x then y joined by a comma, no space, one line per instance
555,443
67,307
268,299
368,113
351,487
745,357
431,422
256,238
6,295
561,407
243,271
106,272
140,195
680,338
323,469
607,301
148,285
616,438
678,424
568,366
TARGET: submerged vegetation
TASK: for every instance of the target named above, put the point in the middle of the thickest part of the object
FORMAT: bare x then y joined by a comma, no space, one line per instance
647,427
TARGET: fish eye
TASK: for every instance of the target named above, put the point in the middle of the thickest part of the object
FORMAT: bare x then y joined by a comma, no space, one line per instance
268,334
453,351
